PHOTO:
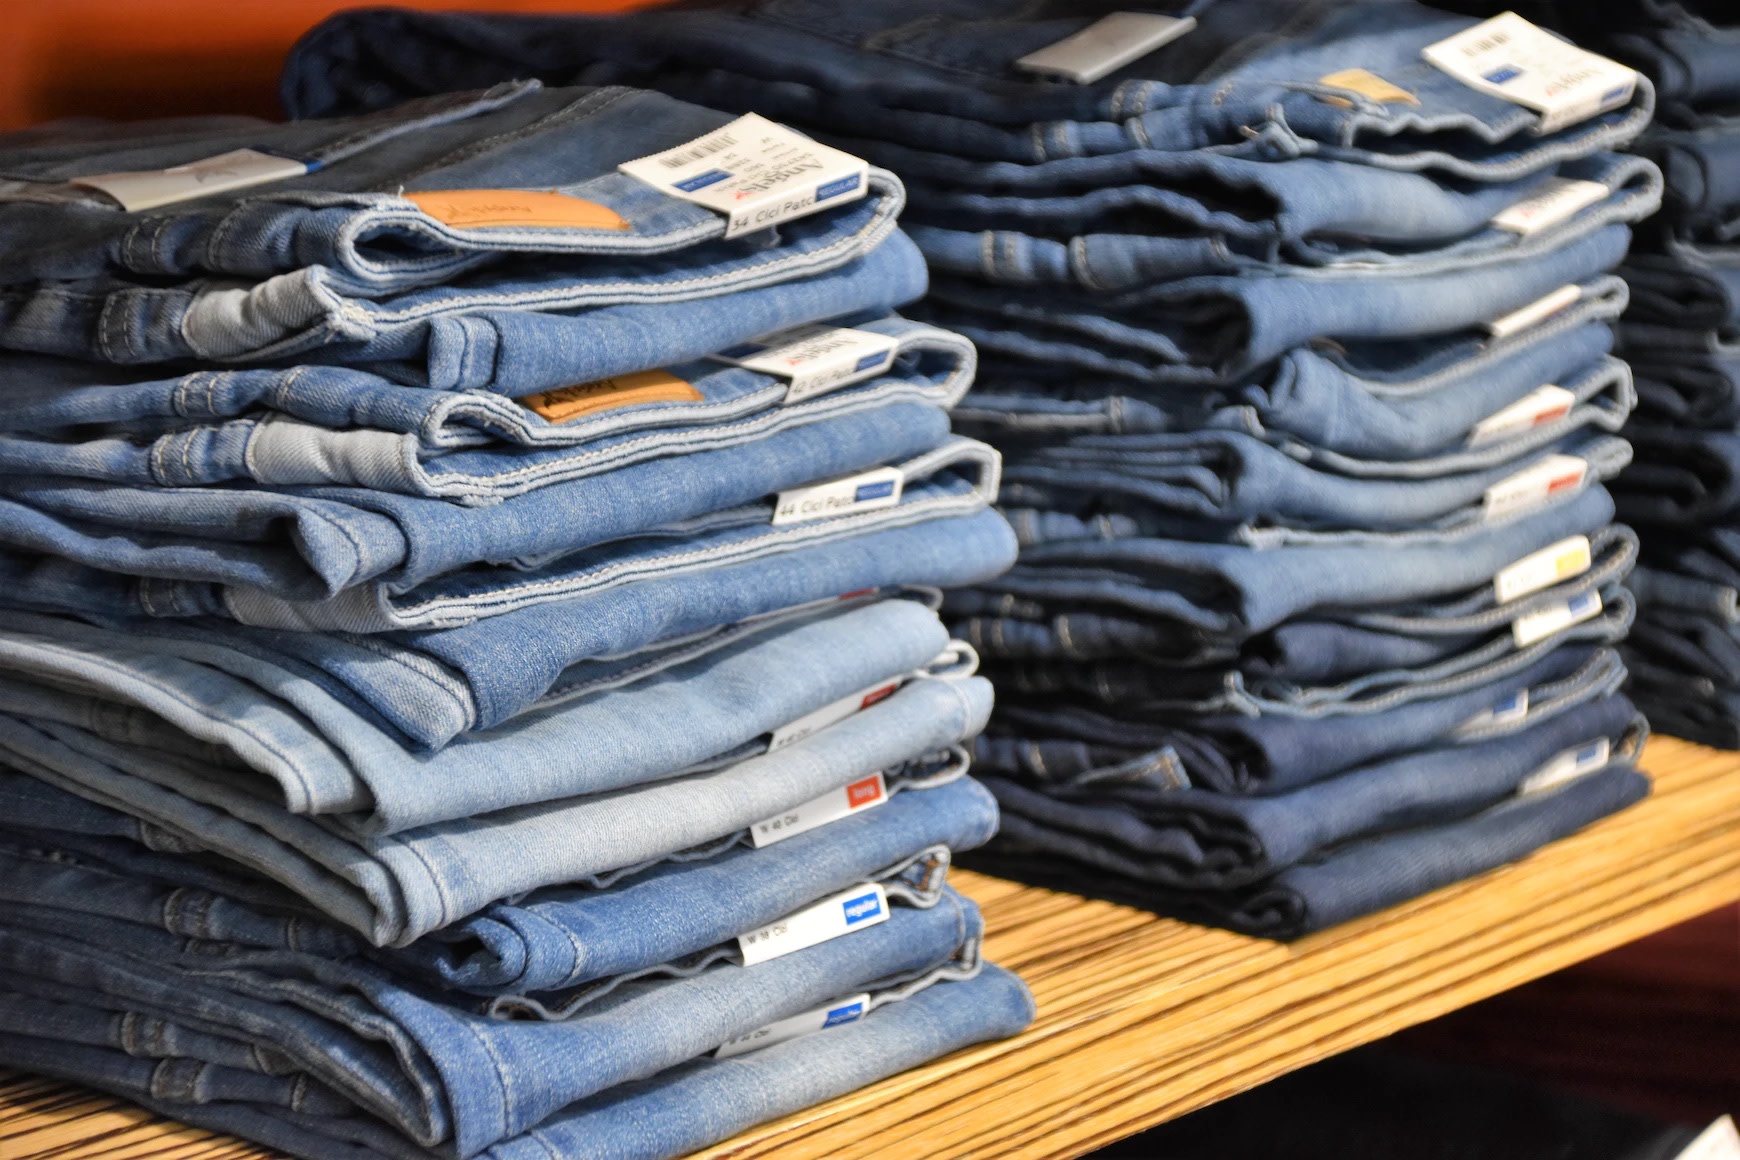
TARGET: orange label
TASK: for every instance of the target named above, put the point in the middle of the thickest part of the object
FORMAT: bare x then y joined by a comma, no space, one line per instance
566,403
477,209
1366,84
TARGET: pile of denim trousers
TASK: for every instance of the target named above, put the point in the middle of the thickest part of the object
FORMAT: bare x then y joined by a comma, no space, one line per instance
441,714
1298,350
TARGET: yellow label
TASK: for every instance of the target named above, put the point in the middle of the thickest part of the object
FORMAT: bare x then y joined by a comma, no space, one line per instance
567,403
1366,84
477,209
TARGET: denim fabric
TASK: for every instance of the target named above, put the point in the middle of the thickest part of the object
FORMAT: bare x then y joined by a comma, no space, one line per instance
1701,168
679,1110
348,215
313,754
1364,876
1691,64
338,425
395,888
1199,840
447,1079
943,79
1682,478
1685,705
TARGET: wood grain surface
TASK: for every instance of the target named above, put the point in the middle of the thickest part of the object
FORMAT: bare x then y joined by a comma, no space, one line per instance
1142,1019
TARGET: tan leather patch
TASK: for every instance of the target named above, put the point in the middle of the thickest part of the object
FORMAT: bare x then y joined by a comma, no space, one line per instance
568,403
1366,84
476,209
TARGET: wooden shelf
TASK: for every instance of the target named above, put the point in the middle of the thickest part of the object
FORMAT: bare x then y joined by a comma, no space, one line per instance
1142,1019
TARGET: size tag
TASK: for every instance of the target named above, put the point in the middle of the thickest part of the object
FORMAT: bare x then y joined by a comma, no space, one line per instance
1562,198
1567,767
1541,405
866,492
1720,1141
1510,58
856,909
1105,46
237,169
831,714
847,1010
1535,312
1526,630
565,404
816,358
864,794
756,173
1366,84
476,209
1543,569
1535,484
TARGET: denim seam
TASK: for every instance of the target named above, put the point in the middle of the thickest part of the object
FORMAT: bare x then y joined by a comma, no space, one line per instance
425,668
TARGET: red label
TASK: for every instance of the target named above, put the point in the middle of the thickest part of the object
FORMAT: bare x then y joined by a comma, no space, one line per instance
875,695
862,793
1564,481
1556,413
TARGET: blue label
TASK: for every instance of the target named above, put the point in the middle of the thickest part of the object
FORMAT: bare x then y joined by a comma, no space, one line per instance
1613,94
847,1014
702,180
868,361
1583,603
1507,73
1589,753
1512,704
879,490
836,188
865,906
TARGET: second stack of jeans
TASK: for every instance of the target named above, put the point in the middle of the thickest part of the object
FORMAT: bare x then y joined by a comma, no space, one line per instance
473,681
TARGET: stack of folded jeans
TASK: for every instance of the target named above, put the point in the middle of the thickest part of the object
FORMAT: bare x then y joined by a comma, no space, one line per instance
473,678
1297,334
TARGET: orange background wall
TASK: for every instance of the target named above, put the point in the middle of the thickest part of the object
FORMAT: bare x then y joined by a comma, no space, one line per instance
153,58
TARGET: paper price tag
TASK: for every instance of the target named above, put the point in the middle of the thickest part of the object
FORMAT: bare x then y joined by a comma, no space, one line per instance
1535,484
1562,198
1105,46
816,358
830,714
847,1010
1526,630
866,492
1567,767
1720,1141
859,908
1561,561
238,169
756,173
1541,405
1510,58
864,794
1535,312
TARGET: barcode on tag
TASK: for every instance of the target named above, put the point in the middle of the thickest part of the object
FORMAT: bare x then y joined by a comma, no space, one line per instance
839,1012
816,358
830,714
1537,626
1535,312
755,172
1569,557
1544,404
859,908
864,794
1105,46
1567,767
1535,484
1562,199
1510,58
866,492
225,173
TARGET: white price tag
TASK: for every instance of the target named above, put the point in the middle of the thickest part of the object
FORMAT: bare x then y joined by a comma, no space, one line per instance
1567,767
1535,484
866,492
830,714
1720,1141
1510,58
864,794
1535,312
756,173
1562,198
237,169
816,358
1526,630
847,1010
1105,46
1541,405
859,908
1569,557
